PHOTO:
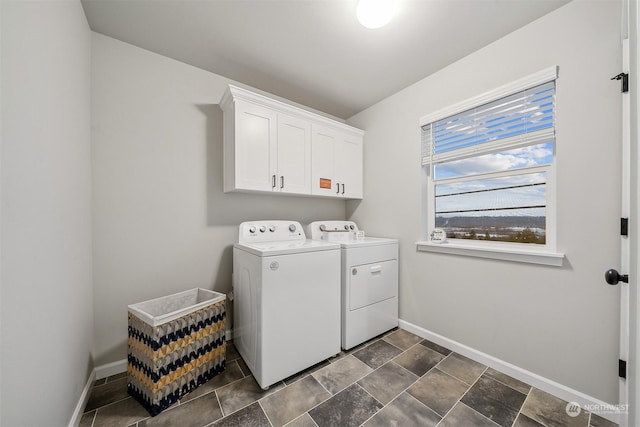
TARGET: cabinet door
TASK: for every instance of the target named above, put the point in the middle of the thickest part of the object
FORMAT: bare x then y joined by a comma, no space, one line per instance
323,180
348,158
256,150
294,155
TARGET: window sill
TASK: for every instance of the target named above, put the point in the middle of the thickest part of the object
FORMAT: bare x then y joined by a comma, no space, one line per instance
505,254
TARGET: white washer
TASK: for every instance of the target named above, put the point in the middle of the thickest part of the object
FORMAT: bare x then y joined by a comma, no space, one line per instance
286,299
369,280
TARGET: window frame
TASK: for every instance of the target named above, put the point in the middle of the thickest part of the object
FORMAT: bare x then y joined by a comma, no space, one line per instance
520,252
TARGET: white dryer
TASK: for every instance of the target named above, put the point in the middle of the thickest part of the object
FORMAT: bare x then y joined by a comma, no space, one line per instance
369,280
286,299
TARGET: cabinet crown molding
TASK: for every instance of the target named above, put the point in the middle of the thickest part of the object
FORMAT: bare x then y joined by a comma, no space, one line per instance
234,93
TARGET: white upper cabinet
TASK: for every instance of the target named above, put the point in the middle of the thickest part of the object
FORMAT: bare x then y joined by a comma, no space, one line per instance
256,127
270,146
323,168
294,155
349,165
336,163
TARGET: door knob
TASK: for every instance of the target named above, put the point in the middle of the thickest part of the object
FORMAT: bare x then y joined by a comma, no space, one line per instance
613,277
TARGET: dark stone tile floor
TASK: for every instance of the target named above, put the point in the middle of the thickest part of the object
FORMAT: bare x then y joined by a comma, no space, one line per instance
397,379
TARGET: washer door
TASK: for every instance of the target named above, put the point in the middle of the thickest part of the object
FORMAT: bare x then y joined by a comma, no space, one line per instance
372,283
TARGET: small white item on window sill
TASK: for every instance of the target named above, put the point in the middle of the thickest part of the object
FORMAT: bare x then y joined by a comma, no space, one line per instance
438,235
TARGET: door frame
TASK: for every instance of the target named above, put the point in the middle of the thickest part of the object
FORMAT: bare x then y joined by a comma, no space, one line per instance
633,380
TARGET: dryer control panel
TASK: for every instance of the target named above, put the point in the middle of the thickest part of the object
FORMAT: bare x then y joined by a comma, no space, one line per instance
270,231
333,230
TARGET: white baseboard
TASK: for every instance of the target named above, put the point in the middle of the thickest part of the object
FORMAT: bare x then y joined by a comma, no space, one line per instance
113,368
566,393
82,402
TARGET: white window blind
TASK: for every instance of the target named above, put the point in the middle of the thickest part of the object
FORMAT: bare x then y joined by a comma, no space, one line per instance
518,120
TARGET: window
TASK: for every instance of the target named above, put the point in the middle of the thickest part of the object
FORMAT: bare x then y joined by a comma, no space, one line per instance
489,167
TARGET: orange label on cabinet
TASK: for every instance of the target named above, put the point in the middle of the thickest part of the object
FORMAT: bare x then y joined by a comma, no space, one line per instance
325,183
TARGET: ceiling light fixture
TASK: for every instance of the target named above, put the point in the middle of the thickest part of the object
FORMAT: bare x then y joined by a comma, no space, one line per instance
375,13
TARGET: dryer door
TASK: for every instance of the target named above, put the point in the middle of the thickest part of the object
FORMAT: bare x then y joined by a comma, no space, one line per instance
372,283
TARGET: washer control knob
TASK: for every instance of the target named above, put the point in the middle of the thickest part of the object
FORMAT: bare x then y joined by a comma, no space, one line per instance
323,227
272,228
346,227
263,228
252,229
292,228
351,227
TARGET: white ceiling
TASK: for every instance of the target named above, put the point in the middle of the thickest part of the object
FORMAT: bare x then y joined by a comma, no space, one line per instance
314,52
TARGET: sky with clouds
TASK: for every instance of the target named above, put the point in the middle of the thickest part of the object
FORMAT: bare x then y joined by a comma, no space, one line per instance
518,190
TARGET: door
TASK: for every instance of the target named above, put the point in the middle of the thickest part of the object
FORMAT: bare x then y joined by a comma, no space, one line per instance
256,139
349,164
613,276
372,283
294,155
323,180
634,192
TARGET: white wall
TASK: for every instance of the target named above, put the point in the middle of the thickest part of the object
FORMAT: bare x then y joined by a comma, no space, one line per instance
161,221
561,323
47,295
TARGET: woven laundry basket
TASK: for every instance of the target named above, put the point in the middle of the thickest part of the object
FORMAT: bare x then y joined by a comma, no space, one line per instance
176,343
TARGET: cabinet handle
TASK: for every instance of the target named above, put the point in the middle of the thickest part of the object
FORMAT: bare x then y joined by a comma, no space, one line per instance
342,188
281,181
337,188
273,181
